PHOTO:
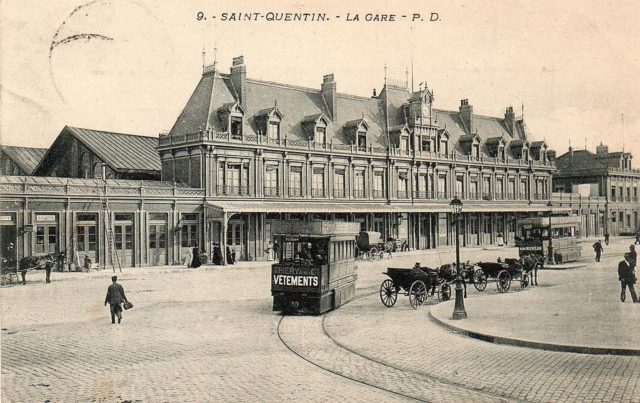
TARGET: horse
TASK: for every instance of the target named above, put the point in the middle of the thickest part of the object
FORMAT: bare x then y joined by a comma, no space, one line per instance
531,264
46,262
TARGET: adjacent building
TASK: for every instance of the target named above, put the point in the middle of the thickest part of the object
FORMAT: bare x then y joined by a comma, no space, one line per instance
607,187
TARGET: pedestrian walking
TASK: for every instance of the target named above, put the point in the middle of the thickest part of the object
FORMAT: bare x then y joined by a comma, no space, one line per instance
606,238
115,298
637,241
500,239
195,262
217,254
627,278
276,248
633,256
598,248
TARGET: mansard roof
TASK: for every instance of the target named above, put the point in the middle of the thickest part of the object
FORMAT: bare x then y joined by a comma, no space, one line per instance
27,158
299,104
578,160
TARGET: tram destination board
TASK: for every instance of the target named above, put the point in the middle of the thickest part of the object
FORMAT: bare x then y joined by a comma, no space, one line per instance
294,276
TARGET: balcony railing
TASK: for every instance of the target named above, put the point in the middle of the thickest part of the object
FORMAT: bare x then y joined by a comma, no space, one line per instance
250,138
442,195
540,196
317,192
487,196
473,196
339,193
403,194
233,190
511,196
499,196
422,194
271,192
359,194
295,192
377,194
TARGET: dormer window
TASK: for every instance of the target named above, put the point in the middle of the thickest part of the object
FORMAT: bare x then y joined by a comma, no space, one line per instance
315,128
362,139
356,132
232,117
268,122
443,142
476,151
404,142
525,154
320,136
273,131
501,153
236,127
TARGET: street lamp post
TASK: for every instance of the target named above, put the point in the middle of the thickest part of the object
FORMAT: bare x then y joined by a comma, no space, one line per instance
550,257
459,311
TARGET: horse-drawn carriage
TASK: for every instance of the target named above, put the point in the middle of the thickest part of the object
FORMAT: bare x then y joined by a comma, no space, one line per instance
502,273
9,273
370,246
416,283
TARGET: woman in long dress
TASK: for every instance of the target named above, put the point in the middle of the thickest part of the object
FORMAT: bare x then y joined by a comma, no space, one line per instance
196,258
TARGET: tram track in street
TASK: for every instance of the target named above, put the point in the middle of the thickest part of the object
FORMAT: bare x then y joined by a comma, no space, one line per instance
434,387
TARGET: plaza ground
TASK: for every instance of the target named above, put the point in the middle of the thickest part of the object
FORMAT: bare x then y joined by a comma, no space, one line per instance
209,335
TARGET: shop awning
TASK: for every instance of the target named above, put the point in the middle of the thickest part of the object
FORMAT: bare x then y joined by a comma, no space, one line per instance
218,208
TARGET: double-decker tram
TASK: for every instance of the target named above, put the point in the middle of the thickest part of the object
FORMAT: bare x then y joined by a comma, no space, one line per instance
316,269
558,232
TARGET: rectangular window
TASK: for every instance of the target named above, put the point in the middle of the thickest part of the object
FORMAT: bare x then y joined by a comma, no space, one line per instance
118,237
473,189
442,186
338,183
358,186
403,180
404,143
271,187
273,131
486,188
362,140
236,128
460,186
443,147
153,237
317,185
233,179
499,188
425,143
512,189
81,239
92,238
476,151
295,181
378,184
321,135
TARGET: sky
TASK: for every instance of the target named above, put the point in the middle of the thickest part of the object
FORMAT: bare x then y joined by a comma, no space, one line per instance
574,65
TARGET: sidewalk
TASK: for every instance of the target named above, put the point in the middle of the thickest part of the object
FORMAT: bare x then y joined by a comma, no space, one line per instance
584,316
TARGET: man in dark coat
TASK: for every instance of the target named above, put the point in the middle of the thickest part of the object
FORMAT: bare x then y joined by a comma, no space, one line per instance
115,297
606,238
195,262
627,278
598,248
633,256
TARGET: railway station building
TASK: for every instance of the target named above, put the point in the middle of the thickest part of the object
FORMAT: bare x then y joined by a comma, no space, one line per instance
244,153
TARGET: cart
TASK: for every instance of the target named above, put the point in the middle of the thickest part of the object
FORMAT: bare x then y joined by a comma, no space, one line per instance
414,283
502,273
369,246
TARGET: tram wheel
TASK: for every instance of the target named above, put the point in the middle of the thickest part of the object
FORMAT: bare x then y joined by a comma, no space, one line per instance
388,293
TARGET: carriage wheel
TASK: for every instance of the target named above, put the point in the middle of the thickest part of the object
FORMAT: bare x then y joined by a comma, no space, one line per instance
373,253
479,280
503,281
524,282
388,293
444,293
417,294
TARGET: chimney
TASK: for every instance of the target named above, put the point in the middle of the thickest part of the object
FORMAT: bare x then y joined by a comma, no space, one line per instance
239,78
374,94
602,150
329,93
510,120
466,113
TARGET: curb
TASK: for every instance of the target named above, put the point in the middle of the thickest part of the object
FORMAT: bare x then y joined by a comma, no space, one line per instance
535,344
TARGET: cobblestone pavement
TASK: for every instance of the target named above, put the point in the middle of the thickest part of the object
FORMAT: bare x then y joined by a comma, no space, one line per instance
408,339
209,335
